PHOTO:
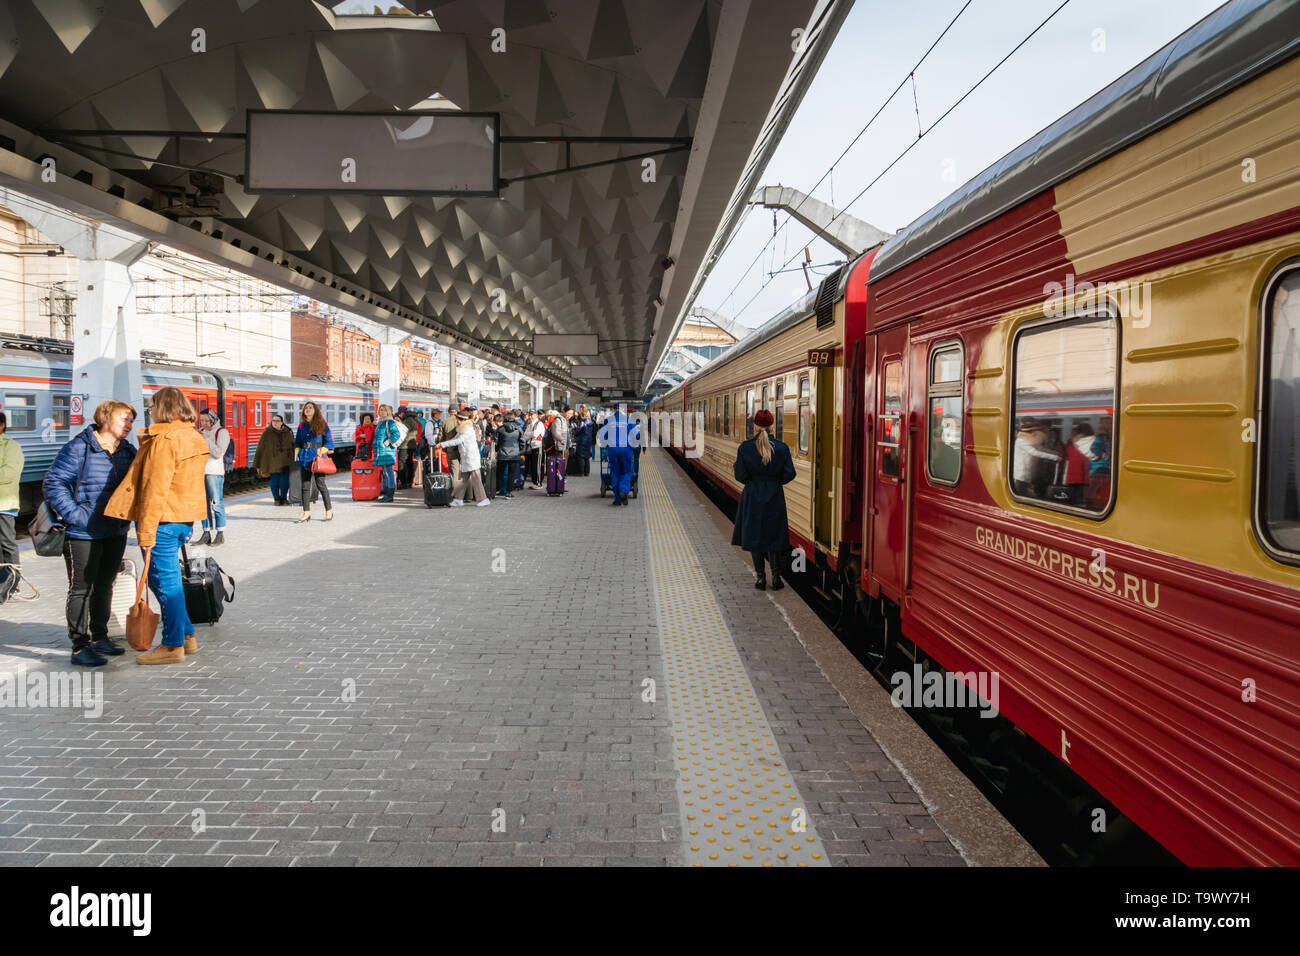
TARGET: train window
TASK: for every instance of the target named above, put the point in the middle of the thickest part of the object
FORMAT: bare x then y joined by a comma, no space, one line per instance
749,413
717,415
21,412
726,415
891,420
780,410
805,413
763,403
62,410
943,459
1277,468
257,414
290,417
1063,414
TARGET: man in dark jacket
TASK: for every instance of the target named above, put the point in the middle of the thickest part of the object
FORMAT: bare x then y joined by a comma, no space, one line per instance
406,451
582,438
510,448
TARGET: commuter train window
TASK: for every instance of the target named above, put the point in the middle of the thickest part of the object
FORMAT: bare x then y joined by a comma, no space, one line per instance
1063,414
891,421
943,458
805,413
62,410
257,414
21,412
1278,450
749,413
726,415
763,403
780,410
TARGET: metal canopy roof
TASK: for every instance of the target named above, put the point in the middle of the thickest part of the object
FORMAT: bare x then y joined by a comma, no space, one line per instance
579,252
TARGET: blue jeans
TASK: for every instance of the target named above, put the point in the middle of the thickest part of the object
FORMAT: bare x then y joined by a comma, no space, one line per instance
165,581
387,481
506,466
279,481
216,506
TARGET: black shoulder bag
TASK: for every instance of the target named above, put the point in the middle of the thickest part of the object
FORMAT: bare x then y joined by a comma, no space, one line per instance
47,530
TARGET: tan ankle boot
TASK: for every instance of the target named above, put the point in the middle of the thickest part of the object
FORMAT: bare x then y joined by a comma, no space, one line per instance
191,646
162,654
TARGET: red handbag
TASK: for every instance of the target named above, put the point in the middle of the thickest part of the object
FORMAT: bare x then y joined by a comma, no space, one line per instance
323,465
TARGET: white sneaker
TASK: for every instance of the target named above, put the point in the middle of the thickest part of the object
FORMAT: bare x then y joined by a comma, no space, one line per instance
457,503
484,503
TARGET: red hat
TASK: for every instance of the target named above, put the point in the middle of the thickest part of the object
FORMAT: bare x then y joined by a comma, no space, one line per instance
763,418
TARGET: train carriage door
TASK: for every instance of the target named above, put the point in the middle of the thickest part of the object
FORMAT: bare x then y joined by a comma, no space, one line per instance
824,459
890,464
237,425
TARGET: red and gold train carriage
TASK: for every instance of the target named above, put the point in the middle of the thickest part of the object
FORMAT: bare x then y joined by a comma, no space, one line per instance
1059,440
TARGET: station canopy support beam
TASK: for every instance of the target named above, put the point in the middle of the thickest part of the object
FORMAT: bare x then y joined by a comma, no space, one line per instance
846,232
106,336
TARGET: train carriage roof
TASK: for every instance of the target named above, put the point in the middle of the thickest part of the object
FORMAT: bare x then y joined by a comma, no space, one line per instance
1231,46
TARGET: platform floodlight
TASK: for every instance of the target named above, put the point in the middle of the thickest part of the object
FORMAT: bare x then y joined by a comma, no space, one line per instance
556,343
394,153
587,372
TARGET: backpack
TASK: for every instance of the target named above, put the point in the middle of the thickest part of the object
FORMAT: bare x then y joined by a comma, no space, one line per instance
229,457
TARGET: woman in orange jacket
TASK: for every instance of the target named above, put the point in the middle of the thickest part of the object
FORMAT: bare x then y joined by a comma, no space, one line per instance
163,494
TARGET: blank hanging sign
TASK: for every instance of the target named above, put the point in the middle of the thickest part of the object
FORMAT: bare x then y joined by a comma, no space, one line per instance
556,343
395,153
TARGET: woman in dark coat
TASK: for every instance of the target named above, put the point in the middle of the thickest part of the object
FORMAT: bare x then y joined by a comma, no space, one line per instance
763,465
582,436
77,487
274,457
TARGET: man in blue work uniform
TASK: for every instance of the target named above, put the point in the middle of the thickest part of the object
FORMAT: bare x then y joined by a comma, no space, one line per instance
619,437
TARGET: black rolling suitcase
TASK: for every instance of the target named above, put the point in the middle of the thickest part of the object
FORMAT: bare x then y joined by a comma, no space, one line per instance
208,589
437,485
488,474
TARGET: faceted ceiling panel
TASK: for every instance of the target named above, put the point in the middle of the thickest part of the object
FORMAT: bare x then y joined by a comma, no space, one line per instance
577,252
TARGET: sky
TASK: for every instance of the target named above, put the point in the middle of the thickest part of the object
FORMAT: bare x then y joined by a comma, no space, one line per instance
1086,46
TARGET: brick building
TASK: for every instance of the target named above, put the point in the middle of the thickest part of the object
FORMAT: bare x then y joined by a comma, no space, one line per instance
416,361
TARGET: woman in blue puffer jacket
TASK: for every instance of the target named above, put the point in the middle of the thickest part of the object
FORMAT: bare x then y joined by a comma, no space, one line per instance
84,475
388,436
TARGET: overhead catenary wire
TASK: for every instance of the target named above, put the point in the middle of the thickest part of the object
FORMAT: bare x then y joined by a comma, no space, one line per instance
894,162
844,152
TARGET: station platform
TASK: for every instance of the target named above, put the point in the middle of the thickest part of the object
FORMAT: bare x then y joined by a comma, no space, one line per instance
546,681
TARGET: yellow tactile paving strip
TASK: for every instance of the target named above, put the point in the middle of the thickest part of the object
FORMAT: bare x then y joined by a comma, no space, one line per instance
739,804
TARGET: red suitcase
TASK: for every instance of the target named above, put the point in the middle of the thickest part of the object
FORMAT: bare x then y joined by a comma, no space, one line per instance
366,481
555,475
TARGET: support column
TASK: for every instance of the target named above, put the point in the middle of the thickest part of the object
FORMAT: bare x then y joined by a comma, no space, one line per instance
390,375
451,377
106,336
